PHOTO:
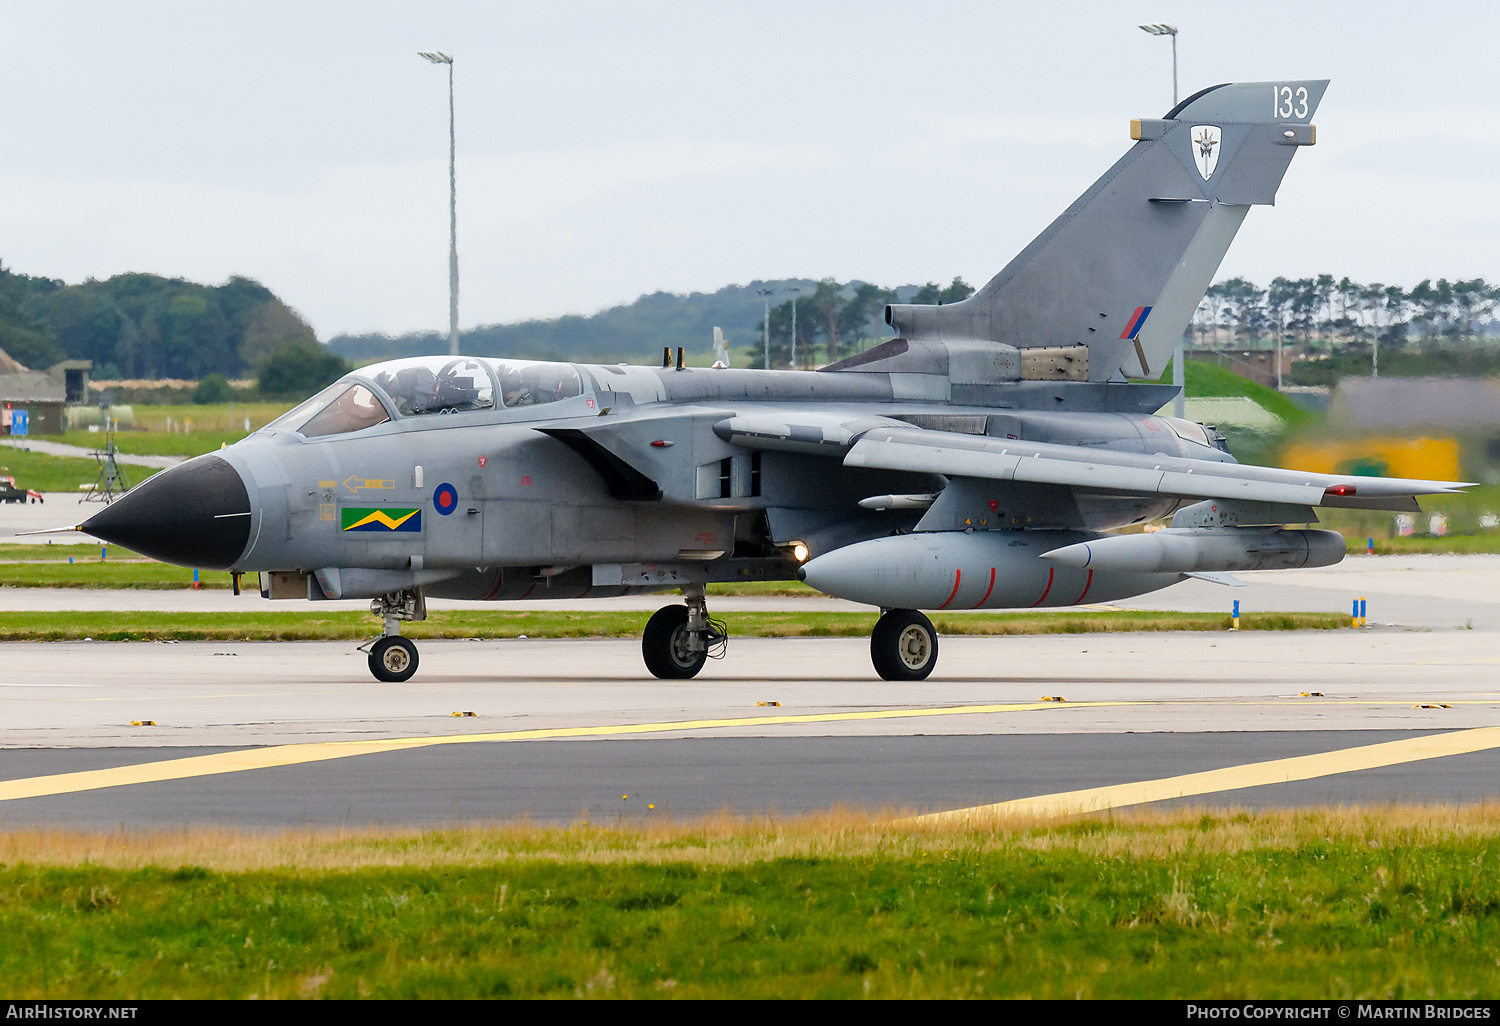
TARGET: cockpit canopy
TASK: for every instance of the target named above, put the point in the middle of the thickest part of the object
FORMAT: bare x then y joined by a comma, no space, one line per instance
530,384
354,408
428,385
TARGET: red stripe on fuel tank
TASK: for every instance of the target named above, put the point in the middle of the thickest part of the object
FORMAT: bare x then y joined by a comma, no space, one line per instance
1086,586
1047,589
499,583
958,575
987,590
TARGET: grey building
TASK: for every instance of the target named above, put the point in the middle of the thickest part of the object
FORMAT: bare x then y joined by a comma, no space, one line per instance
42,394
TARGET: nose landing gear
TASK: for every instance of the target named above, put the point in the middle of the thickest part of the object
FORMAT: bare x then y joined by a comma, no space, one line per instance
393,659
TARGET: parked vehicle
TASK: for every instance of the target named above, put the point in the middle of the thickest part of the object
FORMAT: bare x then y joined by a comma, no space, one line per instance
10,492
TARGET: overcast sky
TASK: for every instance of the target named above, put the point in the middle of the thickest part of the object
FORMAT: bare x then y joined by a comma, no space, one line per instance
611,149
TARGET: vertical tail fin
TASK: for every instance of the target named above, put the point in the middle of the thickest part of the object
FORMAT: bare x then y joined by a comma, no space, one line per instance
1122,270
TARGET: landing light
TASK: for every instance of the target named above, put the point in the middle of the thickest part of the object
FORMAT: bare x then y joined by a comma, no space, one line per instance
799,552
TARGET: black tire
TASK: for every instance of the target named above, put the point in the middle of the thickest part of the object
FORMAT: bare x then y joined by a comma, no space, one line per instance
393,659
664,645
904,645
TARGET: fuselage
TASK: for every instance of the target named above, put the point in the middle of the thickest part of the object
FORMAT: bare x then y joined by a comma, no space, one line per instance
485,478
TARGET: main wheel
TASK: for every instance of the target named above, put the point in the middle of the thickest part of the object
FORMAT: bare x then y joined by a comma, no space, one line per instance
393,659
665,645
903,646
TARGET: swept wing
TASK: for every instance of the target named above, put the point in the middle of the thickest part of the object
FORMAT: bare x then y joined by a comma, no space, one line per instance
958,455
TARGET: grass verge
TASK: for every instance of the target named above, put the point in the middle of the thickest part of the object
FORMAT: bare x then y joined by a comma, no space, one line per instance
1394,902
342,625
1448,545
47,566
44,473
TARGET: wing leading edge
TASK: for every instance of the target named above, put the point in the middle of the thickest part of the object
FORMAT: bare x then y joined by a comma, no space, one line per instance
957,455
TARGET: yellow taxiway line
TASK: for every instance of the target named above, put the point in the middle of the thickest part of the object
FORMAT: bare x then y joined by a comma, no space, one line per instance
1231,778
292,755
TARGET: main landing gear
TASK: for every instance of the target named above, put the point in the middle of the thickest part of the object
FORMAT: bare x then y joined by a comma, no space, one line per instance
904,645
679,639
393,659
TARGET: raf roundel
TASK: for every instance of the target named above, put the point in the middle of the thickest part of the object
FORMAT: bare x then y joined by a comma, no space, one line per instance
445,499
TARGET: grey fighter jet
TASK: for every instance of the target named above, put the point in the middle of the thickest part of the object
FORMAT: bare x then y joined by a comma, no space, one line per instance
977,460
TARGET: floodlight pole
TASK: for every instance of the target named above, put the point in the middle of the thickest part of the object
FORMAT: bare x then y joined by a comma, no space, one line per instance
765,295
1179,357
443,58
1167,30
794,290
1174,67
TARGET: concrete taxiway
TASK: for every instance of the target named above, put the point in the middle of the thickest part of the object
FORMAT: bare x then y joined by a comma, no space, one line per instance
269,735
288,734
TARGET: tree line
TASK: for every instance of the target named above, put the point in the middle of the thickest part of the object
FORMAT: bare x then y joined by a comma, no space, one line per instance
147,326
1322,315
834,321
1336,320
637,332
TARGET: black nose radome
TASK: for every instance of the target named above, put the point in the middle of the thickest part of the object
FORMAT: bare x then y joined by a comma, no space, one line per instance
196,514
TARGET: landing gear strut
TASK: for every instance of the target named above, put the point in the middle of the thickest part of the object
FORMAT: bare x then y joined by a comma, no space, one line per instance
679,639
393,659
904,645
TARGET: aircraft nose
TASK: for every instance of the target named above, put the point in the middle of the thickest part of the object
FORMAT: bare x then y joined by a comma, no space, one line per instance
195,514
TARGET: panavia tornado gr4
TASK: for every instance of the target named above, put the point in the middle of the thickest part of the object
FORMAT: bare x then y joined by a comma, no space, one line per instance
977,460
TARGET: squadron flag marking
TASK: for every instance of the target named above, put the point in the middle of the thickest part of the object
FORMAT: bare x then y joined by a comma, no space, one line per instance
355,519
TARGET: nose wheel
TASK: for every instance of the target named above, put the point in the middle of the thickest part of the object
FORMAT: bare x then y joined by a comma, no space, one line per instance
393,659
904,645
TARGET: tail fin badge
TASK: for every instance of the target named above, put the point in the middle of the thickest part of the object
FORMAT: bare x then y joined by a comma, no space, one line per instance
1137,321
1206,149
